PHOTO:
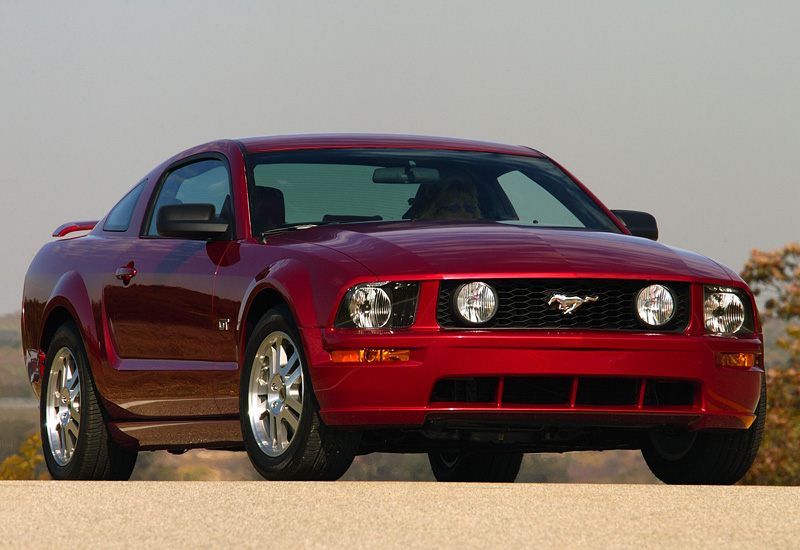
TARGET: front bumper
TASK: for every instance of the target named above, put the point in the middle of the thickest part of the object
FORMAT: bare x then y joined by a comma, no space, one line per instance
586,366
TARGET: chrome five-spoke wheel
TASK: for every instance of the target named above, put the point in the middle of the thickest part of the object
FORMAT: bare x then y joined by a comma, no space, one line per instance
283,433
75,440
275,393
63,406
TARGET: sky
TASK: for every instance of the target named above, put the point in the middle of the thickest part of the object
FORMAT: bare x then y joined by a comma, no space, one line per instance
689,110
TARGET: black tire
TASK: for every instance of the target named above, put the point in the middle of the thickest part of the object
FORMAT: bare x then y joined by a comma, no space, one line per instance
75,440
286,438
475,466
713,458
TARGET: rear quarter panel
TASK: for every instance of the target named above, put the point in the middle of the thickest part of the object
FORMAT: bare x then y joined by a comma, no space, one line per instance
64,282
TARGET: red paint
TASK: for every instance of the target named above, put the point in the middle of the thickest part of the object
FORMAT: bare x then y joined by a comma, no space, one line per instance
149,311
72,227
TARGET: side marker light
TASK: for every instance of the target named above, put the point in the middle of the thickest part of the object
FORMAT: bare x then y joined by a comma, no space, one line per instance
736,360
370,355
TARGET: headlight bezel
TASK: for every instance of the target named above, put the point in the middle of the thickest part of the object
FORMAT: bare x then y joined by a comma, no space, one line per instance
403,298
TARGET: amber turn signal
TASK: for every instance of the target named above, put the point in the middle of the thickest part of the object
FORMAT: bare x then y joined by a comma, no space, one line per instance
370,355
736,360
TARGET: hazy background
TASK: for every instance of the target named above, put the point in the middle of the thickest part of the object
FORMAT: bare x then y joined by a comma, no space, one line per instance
688,110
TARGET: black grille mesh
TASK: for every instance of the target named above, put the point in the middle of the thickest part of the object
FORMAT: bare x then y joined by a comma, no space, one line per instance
523,303
557,391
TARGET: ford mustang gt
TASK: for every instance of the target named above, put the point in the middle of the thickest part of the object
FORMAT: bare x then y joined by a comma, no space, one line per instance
312,298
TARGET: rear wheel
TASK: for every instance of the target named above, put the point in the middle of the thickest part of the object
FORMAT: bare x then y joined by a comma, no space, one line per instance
699,458
283,433
475,466
75,441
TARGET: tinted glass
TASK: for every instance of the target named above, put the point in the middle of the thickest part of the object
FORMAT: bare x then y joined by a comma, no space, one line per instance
119,219
534,204
360,185
205,181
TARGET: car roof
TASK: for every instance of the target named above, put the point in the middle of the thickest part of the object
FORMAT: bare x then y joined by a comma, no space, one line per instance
337,141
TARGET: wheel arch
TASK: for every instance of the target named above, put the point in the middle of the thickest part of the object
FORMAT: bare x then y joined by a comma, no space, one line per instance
57,317
288,283
261,302
70,302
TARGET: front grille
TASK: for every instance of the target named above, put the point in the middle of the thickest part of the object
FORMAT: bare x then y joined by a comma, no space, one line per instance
523,303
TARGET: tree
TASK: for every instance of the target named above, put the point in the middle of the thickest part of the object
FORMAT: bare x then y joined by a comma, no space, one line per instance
23,464
775,277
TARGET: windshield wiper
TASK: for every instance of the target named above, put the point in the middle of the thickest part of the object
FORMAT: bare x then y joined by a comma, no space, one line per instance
294,227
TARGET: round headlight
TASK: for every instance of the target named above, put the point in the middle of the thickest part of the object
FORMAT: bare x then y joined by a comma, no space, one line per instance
723,312
655,305
476,302
369,307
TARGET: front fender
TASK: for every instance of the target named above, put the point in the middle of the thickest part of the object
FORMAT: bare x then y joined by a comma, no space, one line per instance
291,280
311,283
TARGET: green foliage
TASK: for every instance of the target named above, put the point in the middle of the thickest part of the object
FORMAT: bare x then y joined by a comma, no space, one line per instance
777,461
775,276
23,465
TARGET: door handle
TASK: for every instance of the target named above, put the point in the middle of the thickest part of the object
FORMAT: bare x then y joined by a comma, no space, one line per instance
126,273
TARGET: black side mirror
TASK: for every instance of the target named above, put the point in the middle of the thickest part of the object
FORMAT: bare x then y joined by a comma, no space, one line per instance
640,224
191,221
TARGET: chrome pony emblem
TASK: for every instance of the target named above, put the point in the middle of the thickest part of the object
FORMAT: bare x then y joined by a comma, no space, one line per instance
568,304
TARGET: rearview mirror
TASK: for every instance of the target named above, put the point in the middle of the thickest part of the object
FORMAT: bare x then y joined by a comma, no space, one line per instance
192,221
640,224
406,174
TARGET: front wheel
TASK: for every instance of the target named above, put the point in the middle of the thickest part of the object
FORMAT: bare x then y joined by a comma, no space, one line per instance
484,466
75,442
283,433
699,458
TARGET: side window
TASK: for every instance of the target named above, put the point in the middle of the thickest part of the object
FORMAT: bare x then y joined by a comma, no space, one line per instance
205,181
119,219
534,204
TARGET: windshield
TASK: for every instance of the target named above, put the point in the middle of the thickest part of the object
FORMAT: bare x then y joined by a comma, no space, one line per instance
295,188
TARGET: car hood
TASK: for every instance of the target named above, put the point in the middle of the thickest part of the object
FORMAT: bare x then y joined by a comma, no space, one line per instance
454,249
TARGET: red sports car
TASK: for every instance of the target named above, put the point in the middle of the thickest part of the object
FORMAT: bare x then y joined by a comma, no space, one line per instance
312,298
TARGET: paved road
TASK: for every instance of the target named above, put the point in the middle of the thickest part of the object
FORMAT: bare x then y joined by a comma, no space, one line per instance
271,516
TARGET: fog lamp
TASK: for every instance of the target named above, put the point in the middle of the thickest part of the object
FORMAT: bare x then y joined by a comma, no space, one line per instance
655,305
476,302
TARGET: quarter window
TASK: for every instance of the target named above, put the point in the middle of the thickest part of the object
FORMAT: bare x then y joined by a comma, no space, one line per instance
119,219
